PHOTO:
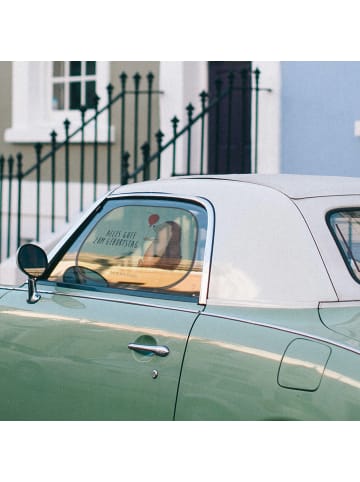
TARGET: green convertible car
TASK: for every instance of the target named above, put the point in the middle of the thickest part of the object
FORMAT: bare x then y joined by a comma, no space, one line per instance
198,298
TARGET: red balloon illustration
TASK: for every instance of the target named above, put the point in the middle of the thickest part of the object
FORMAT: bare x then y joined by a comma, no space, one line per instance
153,219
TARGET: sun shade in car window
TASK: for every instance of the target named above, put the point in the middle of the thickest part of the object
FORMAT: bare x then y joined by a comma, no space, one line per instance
135,245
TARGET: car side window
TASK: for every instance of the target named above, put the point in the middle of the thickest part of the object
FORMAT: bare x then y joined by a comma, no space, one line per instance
133,244
345,227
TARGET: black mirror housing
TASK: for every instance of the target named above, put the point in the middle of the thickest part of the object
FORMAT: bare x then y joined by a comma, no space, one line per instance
32,260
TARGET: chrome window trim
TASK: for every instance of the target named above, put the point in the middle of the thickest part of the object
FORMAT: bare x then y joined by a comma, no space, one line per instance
115,300
206,204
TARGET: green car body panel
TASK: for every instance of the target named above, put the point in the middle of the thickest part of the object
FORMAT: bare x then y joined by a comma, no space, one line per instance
67,358
252,315
262,365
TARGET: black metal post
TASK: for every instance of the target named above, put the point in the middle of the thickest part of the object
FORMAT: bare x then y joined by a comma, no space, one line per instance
150,78
96,101
10,178
257,77
19,158
67,125
146,154
123,78
110,89
53,179
203,97
137,78
38,148
82,157
125,168
190,110
175,122
159,136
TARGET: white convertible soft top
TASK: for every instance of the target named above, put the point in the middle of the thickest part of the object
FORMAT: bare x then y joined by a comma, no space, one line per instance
296,186
271,244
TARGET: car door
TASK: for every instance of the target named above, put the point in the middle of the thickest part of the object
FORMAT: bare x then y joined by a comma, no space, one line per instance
107,338
249,364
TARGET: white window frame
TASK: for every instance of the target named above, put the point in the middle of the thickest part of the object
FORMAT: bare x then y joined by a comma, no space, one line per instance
66,80
33,118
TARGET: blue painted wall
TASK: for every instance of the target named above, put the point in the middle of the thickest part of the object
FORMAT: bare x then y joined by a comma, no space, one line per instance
319,106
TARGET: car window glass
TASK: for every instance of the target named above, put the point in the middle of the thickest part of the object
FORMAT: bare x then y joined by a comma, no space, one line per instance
345,227
134,245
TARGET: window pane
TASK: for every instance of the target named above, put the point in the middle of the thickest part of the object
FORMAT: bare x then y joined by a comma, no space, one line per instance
75,68
58,69
138,245
90,68
141,246
75,95
90,94
58,97
345,227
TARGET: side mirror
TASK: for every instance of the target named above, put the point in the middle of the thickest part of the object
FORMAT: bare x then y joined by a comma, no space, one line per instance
32,261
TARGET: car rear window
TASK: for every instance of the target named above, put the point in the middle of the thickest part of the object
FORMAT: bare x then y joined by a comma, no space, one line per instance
135,244
345,228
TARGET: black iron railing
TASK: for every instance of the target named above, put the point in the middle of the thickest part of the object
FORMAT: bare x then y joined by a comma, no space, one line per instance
59,159
224,93
144,161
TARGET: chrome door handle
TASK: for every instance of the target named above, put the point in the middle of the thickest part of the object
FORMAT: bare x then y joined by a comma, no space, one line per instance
155,349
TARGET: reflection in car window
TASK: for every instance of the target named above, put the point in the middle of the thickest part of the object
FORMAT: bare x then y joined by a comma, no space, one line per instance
131,244
345,227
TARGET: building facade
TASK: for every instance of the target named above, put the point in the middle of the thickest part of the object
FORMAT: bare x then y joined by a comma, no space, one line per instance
297,117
